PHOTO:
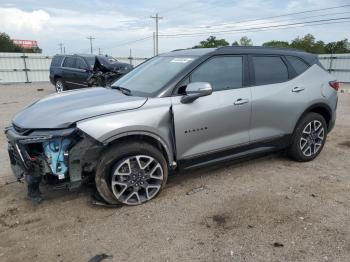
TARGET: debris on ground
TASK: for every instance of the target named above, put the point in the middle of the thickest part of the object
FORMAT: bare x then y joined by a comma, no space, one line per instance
97,200
196,190
100,257
278,244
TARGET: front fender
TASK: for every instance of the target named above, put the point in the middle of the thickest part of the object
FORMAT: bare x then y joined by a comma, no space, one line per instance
152,119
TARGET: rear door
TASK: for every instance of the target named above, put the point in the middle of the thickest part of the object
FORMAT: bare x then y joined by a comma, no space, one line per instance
75,72
277,97
219,121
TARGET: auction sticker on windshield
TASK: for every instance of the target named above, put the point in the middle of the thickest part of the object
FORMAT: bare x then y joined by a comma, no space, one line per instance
181,60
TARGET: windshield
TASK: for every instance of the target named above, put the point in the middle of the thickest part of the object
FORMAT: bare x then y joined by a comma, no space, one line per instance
148,78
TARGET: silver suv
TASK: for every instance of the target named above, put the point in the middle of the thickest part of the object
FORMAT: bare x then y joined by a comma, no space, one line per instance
179,110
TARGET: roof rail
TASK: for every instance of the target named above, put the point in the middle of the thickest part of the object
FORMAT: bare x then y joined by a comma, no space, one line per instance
259,47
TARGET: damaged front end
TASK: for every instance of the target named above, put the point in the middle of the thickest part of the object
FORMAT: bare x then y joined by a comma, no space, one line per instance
64,158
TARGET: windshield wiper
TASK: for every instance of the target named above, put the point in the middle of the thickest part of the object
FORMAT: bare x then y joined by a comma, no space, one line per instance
124,90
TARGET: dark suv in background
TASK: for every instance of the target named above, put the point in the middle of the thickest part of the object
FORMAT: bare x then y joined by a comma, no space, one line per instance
73,71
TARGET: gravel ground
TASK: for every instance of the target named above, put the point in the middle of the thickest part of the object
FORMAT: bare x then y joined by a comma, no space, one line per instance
265,209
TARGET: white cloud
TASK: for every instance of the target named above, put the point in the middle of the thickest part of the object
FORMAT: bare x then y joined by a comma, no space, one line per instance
14,19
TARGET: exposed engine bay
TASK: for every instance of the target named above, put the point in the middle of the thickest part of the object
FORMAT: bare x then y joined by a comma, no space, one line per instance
65,156
56,153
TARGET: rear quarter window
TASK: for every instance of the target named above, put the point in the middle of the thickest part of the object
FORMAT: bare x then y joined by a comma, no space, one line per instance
269,70
299,65
56,61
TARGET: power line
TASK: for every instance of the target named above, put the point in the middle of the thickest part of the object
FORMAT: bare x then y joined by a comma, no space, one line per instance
276,16
267,29
157,18
253,28
91,38
132,41
283,20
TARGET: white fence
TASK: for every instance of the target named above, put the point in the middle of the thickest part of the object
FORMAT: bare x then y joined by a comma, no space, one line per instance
18,67
338,65
25,68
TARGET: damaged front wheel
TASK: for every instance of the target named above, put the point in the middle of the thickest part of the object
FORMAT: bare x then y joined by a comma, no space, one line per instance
131,173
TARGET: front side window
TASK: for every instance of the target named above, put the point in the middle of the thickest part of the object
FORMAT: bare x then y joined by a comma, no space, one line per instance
69,62
221,72
269,70
151,76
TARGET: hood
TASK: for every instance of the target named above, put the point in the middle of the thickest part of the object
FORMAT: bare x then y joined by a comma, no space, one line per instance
63,109
105,64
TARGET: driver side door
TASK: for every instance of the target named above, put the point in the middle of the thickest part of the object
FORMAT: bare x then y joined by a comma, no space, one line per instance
217,122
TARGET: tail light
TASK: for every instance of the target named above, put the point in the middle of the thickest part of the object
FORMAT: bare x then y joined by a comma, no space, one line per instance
335,85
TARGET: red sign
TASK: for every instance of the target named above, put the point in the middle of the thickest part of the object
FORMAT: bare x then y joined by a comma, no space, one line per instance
27,44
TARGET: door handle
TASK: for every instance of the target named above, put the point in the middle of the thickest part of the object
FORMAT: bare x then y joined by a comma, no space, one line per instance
240,101
298,89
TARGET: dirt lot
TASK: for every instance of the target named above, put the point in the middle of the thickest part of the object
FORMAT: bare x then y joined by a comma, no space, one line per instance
266,209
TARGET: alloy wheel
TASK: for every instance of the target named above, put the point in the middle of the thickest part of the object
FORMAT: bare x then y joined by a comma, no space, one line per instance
312,138
59,86
136,179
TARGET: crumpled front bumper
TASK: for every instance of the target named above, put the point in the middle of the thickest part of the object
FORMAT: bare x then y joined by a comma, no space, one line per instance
21,162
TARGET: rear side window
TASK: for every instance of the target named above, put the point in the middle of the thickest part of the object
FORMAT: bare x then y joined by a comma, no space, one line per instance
69,62
221,72
80,64
56,61
299,65
269,70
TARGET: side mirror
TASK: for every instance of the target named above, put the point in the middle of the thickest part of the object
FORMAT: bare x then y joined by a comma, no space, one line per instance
196,90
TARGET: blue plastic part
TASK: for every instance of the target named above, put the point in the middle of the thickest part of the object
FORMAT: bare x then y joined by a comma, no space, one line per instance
54,151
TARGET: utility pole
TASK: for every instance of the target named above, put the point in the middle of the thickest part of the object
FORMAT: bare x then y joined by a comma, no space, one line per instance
157,18
64,50
90,38
154,44
130,57
61,47
99,51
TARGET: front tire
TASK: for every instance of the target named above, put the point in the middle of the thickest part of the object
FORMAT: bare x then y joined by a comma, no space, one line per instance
131,173
309,138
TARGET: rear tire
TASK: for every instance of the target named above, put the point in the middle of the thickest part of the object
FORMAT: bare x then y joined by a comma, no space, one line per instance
131,173
59,85
308,138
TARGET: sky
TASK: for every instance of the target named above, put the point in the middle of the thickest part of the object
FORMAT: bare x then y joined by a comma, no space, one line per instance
117,24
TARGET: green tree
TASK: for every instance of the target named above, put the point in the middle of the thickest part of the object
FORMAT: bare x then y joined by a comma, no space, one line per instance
276,43
7,45
245,41
342,46
308,44
212,42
